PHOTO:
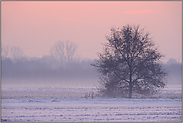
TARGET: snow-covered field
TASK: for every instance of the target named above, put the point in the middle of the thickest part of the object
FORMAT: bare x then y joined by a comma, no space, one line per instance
72,105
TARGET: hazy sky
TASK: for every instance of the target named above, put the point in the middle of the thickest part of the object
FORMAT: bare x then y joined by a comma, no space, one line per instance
36,26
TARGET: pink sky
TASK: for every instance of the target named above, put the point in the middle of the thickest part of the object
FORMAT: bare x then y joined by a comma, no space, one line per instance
37,26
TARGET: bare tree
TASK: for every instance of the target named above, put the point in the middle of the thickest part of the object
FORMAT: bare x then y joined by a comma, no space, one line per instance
57,51
129,63
16,53
63,51
70,50
4,51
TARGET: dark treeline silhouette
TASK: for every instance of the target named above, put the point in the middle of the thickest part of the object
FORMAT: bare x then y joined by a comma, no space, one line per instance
46,68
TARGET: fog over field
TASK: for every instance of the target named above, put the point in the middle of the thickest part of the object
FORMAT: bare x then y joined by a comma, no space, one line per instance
44,90
51,51
47,72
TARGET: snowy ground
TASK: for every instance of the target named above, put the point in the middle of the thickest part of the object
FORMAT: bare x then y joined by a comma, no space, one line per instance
71,105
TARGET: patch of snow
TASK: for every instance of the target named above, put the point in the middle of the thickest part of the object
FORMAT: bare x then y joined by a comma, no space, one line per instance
70,105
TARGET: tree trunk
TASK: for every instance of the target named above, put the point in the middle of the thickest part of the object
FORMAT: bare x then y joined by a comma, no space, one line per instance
130,90
130,85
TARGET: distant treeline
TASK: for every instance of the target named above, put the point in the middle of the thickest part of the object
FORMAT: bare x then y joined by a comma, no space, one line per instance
46,67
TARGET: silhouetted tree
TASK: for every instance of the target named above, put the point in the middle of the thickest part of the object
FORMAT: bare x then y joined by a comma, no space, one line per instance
4,51
70,50
63,51
16,53
129,63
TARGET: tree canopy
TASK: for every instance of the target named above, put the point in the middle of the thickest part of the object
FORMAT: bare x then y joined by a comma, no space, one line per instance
130,64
